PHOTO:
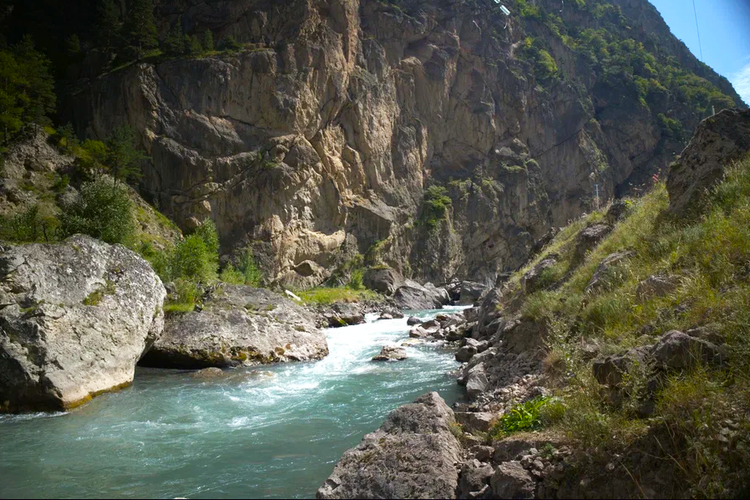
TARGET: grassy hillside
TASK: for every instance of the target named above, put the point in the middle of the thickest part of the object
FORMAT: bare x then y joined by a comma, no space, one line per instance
691,422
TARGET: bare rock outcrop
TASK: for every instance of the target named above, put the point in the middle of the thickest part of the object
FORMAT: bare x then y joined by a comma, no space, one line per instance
413,455
718,141
238,325
75,318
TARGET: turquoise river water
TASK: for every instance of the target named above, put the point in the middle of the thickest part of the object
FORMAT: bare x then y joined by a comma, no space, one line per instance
268,432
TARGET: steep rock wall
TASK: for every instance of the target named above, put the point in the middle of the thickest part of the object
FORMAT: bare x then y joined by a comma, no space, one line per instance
319,139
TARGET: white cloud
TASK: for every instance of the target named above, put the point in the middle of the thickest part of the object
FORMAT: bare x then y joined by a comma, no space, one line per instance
741,82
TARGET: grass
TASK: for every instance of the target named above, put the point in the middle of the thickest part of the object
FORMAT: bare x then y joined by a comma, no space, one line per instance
709,259
330,295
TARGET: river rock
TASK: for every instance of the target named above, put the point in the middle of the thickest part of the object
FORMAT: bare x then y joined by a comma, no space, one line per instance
209,373
412,455
476,381
385,281
413,296
465,353
75,317
238,324
413,320
391,353
345,314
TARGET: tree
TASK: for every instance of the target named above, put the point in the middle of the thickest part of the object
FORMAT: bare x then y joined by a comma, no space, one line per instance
100,212
12,99
108,25
208,41
93,155
141,30
195,47
174,44
40,86
67,139
73,45
230,44
124,157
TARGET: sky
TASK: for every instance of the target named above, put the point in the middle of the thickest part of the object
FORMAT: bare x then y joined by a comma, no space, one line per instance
724,34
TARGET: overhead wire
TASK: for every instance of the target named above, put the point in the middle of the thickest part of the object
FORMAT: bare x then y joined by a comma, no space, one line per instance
697,28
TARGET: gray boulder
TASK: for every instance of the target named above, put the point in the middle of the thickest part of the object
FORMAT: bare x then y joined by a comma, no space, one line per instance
655,286
602,278
610,370
344,314
75,318
474,479
391,353
717,142
532,280
589,238
385,281
511,480
475,421
476,381
238,324
413,320
414,296
677,351
465,353
412,455
470,292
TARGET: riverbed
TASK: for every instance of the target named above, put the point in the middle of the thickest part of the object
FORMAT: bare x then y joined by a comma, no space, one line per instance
263,432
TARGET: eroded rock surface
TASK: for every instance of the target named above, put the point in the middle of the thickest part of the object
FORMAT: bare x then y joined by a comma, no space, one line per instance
413,455
238,324
75,318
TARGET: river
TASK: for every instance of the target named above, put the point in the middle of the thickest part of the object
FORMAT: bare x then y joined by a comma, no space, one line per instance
266,432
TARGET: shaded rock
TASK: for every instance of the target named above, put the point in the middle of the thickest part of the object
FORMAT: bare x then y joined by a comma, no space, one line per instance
476,381
385,281
441,293
589,238
209,373
474,476
534,280
602,278
347,314
431,324
610,370
717,142
412,455
414,296
470,292
238,324
391,353
75,317
465,353
617,211
475,421
655,286
418,333
413,320
511,480
544,240
524,335
483,453
677,351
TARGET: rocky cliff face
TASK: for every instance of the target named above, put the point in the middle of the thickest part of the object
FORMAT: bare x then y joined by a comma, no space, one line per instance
319,139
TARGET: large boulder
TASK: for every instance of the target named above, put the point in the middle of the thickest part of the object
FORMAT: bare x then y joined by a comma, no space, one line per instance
75,318
612,369
511,480
238,325
412,455
718,140
383,280
678,351
391,353
413,296
589,238
534,280
470,292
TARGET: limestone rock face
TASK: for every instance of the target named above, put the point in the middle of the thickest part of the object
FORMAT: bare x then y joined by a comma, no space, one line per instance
412,455
718,141
75,318
319,140
238,324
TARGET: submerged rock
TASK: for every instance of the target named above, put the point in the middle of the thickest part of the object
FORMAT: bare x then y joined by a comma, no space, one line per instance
238,324
391,353
412,455
75,317
209,373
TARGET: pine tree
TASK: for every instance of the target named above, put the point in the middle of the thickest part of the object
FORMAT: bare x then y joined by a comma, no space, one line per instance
108,26
174,44
208,41
39,86
194,48
141,30
73,45
124,157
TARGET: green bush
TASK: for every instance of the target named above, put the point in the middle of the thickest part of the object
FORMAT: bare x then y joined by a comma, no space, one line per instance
103,211
249,268
160,261
193,261
435,206
28,225
522,417
355,283
230,44
187,296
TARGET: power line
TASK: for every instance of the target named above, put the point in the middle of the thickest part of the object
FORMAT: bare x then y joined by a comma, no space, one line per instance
700,46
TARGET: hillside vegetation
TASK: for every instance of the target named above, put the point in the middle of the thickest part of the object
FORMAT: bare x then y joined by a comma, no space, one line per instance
686,413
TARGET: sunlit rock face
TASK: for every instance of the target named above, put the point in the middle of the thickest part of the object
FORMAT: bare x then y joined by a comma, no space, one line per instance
320,138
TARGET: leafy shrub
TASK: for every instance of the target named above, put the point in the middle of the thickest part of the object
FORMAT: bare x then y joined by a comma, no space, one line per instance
160,261
187,296
103,211
522,417
28,225
355,283
193,261
435,206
